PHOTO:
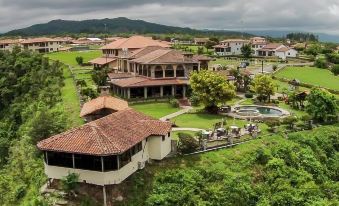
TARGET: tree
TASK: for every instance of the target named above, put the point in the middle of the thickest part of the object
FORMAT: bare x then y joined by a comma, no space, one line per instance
263,86
321,104
70,182
246,51
187,143
79,59
99,76
211,88
335,69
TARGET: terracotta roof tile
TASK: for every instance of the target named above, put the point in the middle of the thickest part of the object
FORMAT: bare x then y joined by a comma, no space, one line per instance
37,40
102,102
134,42
109,135
143,81
164,56
102,60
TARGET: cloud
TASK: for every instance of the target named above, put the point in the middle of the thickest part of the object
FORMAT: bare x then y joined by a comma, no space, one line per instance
307,15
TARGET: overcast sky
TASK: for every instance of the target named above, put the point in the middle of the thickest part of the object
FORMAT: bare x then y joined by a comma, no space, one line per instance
296,15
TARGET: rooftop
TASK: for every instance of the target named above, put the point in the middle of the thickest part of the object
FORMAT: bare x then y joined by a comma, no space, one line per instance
38,40
135,42
103,102
102,60
140,81
112,134
164,56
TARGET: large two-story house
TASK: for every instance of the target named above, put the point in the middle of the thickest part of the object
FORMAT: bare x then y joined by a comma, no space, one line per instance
9,44
278,50
41,45
145,68
257,43
229,47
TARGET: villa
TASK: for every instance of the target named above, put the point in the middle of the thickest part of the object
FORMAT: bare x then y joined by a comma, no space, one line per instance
41,45
278,50
201,41
230,47
145,68
108,150
9,44
258,43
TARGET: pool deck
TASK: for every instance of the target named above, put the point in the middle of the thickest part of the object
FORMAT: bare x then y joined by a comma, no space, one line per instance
233,114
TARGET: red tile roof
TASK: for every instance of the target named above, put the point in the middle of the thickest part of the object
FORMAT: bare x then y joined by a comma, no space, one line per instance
164,56
112,134
143,81
38,40
102,60
102,102
135,42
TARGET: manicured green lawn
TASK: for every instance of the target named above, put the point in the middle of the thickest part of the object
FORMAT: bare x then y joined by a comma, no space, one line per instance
155,109
174,135
207,121
69,57
311,75
71,100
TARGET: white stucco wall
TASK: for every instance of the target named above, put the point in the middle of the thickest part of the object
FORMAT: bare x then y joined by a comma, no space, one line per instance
154,148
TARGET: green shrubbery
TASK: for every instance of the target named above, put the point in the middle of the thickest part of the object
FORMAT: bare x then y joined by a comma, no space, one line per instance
174,102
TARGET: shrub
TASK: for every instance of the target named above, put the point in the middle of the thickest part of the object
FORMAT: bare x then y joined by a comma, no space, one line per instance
70,182
249,95
89,92
80,60
174,103
290,120
275,67
320,63
187,143
194,99
335,69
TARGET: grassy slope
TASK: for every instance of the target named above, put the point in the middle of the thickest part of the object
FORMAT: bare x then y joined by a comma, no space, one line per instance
71,100
69,57
311,75
156,110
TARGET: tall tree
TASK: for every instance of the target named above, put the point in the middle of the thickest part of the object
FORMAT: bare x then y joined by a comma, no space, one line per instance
211,88
321,105
263,86
246,51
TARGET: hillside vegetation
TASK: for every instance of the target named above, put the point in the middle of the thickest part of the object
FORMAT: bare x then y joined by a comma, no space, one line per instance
30,110
301,169
113,26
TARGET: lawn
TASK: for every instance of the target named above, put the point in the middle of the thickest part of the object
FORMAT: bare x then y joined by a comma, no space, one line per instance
71,100
311,75
69,57
155,109
207,121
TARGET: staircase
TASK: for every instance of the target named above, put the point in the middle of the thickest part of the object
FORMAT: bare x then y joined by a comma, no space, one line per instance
184,102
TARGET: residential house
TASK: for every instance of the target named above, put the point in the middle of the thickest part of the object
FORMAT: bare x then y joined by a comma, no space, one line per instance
41,45
122,47
155,72
108,150
229,47
102,106
257,43
278,50
9,44
201,41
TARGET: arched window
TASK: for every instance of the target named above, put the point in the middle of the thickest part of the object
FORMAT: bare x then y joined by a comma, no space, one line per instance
169,71
158,73
180,71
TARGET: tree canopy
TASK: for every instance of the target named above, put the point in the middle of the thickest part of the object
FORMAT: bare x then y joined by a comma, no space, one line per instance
263,86
211,88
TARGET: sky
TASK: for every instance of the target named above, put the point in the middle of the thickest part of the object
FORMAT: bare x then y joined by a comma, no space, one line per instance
242,15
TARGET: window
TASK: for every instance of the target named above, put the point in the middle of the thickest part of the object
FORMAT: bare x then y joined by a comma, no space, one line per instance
169,134
87,162
158,73
125,158
136,148
169,71
59,159
110,163
163,138
180,71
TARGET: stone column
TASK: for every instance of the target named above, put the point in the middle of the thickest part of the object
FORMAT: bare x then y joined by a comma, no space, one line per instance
173,90
161,91
184,91
163,71
145,92
175,70
128,93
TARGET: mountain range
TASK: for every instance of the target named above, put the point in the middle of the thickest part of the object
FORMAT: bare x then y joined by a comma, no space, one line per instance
124,25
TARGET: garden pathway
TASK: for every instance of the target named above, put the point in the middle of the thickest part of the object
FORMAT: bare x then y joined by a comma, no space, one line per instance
186,129
175,114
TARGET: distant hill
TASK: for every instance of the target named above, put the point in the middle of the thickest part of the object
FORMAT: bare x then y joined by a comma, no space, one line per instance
113,26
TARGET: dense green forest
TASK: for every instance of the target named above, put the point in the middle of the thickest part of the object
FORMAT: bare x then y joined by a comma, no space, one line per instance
299,169
29,111
302,37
